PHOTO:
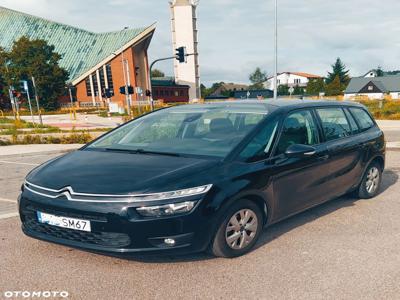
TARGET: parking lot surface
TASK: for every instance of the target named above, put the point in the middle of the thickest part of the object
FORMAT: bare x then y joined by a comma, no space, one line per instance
344,249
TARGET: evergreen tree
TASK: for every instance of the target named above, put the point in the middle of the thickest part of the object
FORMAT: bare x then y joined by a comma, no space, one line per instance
257,78
315,86
379,72
298,90
335,88
338,69
283,90
36,58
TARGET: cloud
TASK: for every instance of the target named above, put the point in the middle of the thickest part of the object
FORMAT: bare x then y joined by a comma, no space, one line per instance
237,36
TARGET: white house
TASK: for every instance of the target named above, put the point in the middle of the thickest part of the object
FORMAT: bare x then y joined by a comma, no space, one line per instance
373,87
291,79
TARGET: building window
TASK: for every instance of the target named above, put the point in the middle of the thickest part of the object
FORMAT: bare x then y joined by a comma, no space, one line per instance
181,93
95,86
278,81
102,80
297,81
88,89
109,78
370,88
176,93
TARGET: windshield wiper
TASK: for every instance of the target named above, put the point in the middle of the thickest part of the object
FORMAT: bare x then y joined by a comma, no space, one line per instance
142,151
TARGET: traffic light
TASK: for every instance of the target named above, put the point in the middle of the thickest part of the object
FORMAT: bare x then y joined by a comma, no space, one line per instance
108,93
181,54
122,90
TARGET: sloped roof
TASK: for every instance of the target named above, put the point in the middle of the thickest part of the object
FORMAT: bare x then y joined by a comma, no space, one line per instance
81,50
302,74
385,83
165,81
308,75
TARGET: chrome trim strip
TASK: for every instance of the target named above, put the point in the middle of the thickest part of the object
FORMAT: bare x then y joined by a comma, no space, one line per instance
69,193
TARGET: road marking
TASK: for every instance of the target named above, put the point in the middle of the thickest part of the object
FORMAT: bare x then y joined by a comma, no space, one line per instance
17,163
8,200
10,215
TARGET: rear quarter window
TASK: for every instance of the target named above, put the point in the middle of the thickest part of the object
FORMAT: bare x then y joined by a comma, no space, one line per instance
334,123
363,119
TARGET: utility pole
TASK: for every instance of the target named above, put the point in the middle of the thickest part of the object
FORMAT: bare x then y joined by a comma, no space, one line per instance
276,52
37,100
73,112
26,88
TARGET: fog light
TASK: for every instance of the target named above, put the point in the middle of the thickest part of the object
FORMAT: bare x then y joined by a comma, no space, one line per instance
169,242
167,209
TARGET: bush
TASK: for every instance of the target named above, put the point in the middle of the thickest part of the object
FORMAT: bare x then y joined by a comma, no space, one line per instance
390,109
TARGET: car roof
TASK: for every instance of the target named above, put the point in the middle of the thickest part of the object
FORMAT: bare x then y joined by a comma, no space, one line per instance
266,105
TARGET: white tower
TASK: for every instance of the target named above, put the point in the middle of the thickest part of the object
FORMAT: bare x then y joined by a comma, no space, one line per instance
184,33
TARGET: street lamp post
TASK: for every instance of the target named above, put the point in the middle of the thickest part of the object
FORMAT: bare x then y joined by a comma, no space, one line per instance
276,52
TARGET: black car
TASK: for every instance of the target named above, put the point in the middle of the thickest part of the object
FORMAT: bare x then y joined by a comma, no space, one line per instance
203,177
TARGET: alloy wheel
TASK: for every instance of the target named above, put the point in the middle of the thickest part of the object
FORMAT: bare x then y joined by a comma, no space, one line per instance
372,182
241,229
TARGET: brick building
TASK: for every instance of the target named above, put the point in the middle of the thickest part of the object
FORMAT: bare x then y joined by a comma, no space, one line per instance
167,90
95,61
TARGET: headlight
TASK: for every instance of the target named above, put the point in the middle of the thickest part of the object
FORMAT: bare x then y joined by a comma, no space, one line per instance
175,194
167,209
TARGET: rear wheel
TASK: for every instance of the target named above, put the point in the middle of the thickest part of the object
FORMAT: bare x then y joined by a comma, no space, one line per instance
239,230
371,181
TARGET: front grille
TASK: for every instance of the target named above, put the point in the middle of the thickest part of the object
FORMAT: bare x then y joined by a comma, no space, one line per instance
104,239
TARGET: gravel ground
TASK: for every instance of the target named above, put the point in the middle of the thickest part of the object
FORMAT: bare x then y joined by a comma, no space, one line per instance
344,249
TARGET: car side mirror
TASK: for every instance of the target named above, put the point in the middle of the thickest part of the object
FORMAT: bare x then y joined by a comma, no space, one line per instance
299,151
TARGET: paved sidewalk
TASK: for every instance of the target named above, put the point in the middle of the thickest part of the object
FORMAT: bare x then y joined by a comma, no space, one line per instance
83,121
44,148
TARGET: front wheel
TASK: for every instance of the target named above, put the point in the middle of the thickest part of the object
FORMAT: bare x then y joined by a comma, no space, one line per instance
239,230
371,182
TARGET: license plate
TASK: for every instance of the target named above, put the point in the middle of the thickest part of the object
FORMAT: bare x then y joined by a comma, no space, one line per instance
70,223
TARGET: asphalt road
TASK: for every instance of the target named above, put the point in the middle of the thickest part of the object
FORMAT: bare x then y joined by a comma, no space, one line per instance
345,249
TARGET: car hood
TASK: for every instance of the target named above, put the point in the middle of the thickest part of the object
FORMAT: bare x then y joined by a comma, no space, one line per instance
121,173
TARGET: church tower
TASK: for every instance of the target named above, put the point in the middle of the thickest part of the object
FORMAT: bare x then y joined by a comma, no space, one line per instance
184,33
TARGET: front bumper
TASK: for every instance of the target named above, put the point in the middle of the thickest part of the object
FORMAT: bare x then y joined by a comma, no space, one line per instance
116,227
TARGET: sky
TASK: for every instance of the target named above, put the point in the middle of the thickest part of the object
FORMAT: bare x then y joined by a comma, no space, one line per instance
236,36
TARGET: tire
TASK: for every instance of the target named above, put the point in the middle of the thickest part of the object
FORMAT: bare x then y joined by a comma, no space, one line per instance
371,182
243,236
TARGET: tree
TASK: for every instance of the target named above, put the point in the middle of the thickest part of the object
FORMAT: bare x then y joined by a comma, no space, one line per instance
315,86
36,58
338,69
379,72
298,90
205,92
157,73
335,88
283,90
257,78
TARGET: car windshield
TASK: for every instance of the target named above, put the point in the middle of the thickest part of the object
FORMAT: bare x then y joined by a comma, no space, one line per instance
207,130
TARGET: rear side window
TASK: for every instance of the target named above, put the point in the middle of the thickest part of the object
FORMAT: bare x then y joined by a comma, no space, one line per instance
334,123
363,118
298,128
353,124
